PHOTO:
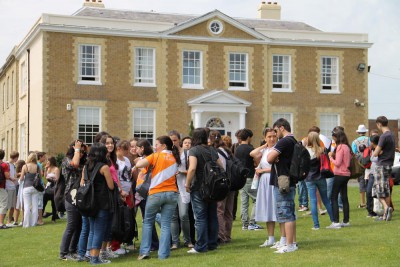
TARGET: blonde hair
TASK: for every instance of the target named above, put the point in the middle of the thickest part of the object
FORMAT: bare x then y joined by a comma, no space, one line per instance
32,158
314,143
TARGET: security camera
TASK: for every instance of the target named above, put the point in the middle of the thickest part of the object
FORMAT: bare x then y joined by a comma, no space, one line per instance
356,101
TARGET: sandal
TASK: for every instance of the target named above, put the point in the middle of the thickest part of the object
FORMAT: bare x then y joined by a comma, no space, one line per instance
362,206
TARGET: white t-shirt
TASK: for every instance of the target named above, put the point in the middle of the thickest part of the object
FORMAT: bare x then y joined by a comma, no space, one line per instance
10,185
124,174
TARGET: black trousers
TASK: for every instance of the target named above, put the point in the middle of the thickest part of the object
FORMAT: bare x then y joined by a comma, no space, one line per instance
340,186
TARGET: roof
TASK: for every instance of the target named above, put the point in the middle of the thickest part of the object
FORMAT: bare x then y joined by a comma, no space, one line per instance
181,18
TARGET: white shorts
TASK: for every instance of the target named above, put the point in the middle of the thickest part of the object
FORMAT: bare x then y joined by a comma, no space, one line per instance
12,199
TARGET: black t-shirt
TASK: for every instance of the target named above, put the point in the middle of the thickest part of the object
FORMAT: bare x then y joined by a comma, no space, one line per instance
198,152
387,143
243,154
101,191
284,147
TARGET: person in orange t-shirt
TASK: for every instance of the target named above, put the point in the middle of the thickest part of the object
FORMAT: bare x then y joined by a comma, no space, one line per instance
163,195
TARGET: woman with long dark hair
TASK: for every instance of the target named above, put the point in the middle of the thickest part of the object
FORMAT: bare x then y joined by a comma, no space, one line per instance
52,173
206,222
102,184
163,195
71,169
340,157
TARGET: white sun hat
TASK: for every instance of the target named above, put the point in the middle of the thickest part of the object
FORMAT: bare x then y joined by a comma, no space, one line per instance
362,129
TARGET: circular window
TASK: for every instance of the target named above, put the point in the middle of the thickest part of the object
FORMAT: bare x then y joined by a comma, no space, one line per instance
216,27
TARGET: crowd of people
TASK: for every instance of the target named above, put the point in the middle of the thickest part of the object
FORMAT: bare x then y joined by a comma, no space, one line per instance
175,167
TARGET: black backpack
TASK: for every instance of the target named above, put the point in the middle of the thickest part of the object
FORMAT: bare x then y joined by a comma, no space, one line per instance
2,177
59,190
215,185
123,227
236,171
85,200
300,163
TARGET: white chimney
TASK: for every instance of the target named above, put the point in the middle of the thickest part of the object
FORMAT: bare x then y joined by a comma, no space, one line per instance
93,3
269,10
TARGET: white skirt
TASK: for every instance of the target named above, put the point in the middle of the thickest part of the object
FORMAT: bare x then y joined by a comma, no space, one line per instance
265,204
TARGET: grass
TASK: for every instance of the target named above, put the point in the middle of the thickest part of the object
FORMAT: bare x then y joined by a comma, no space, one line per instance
365,243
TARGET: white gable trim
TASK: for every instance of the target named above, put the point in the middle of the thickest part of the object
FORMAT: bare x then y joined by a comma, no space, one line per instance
223,17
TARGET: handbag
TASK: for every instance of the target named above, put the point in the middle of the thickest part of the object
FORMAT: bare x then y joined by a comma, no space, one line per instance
143,188
283,182
37,181
325,166
50,189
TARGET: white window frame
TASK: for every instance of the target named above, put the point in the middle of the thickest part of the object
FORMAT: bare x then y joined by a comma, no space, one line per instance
212,27
138,130
246,80
330,71
96,61
24,79
286,115
4,96
188,85
85,134
145,67
284,71
327,127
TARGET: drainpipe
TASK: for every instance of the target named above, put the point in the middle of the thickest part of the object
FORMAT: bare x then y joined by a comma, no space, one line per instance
29,97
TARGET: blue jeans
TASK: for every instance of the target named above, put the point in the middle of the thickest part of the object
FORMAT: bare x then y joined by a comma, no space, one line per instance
206,222
83,238
312,191
166,202
183,213
303,196
98,229
285,207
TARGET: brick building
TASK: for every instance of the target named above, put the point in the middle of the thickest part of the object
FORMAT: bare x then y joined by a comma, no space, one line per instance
143,73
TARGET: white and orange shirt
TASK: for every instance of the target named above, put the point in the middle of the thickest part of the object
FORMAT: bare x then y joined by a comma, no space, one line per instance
163,177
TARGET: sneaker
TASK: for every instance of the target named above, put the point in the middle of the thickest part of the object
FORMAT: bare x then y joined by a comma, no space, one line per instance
341,209
267,243
277,245
315,228
287,249
307,213
345,224
69,257
372,215
121,251
322,212
193,251
389,214
254,227
174,246
11,225
362,206
303,208
131,247
143,257
4,226
245,227
190,245
16,224
334,226
106,254
98,260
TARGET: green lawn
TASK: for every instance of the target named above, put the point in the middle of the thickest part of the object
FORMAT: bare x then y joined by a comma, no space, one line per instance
365,243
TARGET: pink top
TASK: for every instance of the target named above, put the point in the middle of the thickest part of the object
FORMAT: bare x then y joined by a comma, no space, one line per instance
114,174
342,160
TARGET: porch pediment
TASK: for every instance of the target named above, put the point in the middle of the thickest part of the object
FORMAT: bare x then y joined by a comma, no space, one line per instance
218,98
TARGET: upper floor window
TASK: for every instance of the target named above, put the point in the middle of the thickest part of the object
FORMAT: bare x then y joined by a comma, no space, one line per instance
238,70
89,119
328,122
281,69
330,74
89,64
216,27
24,78
145,67
192,69
144,124
4,96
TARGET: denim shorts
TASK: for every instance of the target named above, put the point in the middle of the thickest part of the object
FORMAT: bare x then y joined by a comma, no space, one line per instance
285,207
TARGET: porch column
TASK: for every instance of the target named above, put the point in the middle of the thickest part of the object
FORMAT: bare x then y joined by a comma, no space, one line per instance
242,120
197,119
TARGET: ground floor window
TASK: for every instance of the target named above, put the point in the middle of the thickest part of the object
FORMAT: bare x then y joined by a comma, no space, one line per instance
144,124
89,123
328,122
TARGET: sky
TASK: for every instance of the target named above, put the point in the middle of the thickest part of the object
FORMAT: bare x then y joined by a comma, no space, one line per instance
378,18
